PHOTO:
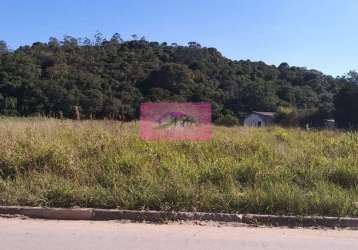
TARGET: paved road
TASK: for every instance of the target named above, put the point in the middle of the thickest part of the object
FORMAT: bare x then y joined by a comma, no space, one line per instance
43,234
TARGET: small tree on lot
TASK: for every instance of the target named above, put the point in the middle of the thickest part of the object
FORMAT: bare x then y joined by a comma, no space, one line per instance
228,120
287,117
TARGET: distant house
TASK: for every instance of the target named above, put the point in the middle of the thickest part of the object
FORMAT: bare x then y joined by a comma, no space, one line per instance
259,119
329,124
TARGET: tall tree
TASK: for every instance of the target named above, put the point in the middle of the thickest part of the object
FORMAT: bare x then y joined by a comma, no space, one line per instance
346,107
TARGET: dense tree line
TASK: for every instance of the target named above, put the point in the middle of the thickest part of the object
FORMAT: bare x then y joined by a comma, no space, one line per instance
110,78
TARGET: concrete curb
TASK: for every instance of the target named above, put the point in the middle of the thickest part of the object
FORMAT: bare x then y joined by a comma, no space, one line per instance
163,216
301,221
49,213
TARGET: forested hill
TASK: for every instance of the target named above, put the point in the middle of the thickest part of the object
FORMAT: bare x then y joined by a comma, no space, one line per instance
109,78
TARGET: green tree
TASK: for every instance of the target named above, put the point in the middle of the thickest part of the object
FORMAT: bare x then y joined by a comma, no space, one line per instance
3,48
346,107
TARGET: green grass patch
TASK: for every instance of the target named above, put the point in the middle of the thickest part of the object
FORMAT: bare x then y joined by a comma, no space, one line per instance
45,162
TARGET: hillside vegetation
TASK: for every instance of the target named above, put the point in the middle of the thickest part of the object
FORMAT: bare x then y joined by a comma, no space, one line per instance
104,164
109,78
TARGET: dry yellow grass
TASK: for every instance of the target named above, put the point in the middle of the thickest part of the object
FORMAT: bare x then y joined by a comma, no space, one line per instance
50,162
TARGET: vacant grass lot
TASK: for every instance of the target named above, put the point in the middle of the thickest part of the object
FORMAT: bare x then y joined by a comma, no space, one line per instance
104,164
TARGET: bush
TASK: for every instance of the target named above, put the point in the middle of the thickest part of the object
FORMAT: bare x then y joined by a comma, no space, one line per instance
228,121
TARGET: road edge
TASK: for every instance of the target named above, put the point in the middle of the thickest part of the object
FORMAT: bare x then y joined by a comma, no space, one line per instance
165,216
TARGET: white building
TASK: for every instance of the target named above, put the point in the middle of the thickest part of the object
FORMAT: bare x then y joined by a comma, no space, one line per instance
259,119
329,124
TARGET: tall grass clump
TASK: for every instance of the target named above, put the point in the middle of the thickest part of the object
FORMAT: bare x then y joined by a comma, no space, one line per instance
63,163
